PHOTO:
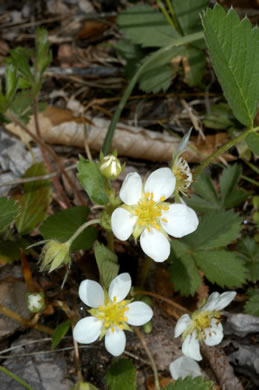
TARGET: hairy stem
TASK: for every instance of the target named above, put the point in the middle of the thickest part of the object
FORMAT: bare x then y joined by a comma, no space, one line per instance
81,228
223,149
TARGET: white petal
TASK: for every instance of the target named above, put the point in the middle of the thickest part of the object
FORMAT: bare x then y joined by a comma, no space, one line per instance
115,341
139,313
182,324
155,245
183,367
91,293
131,189
225,299
161,183
191,347
181,220
87,330
120,287
214,334
122,223
211,302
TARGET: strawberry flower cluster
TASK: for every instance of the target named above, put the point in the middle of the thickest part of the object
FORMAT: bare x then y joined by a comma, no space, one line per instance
146,214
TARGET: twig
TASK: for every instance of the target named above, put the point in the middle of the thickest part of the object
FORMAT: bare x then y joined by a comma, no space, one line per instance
46,157
49,150
35,178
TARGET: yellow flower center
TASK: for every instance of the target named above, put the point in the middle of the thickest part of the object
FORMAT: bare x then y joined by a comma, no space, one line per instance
149,212
201,320
112,313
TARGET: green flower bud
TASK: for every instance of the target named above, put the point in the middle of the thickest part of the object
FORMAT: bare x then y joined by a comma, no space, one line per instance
35,301
110,166
54,255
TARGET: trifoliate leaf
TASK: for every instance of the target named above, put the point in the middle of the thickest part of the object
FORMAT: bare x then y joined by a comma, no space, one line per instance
249,251
223,267
92,181
216,229
252,141
189,383
183,272
35,201
157,79
63,224
146,26
107,262
252,303
204,187
233,48
8,212
121,375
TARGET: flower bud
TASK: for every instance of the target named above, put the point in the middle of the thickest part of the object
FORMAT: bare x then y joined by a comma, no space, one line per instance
54,255
110,166
35,301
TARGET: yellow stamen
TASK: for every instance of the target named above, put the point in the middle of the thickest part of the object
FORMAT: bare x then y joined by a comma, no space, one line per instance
164,220
162,198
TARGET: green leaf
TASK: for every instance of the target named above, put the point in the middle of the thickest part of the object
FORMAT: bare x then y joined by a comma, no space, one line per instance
220,117
233,48
35,201
216,229
229,179
62,225
189,383
146,26
252,141
201,205
204,187
252,303
92,181
60,333
20,57
223,267
188,14
11,81
10,250
235,198
21,106
157,79
249,251
8,212
121,375
183,272
107,262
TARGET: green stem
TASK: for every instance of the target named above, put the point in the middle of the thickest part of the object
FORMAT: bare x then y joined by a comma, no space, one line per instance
144,271
174,18
110,240
16,378
153,364
223,149
82,227
158,54
254,182
166,14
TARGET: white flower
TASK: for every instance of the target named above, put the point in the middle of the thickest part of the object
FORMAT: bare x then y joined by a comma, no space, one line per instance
183,367
146,214
110,313
204,326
